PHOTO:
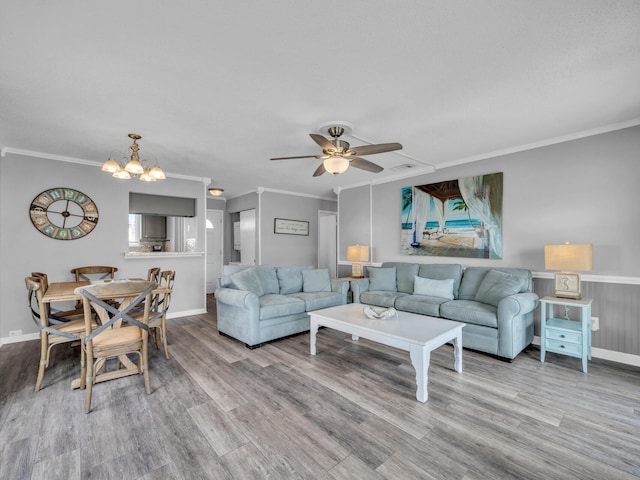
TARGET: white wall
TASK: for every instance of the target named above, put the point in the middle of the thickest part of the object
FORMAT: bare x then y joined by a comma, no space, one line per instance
24,249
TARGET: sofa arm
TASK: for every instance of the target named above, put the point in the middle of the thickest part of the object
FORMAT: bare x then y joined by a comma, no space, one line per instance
515,323
238,313
516,305
358,286
237,298
340,286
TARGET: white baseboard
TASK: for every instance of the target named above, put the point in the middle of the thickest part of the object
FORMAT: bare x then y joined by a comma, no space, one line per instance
613,356
36,335
20,338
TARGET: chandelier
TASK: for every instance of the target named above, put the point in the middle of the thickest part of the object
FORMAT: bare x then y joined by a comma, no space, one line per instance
133,168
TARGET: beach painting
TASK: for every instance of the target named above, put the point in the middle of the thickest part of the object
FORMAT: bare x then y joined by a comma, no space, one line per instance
455,218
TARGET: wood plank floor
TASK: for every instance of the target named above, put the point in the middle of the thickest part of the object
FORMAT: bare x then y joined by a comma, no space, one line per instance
219,410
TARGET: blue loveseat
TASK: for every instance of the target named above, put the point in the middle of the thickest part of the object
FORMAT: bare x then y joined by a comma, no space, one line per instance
257,304
496,304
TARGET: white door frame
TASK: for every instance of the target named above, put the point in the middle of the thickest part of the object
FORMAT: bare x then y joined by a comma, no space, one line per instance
221,234
323,237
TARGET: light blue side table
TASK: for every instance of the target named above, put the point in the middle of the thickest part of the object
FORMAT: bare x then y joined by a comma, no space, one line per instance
564,336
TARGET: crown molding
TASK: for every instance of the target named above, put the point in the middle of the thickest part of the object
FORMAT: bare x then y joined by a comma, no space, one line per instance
80,161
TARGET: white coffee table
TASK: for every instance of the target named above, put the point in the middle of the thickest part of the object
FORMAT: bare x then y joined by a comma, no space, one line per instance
416,334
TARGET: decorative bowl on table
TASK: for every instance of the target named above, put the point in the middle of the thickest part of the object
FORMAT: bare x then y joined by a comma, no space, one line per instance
379,313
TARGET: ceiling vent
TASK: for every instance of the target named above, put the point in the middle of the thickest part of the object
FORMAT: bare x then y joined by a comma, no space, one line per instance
405,166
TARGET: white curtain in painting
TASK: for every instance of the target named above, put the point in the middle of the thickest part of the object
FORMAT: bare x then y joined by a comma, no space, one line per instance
421,205
476,194
439,208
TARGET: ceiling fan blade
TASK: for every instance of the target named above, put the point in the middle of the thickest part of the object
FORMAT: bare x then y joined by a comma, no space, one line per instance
319,171
371,149
293,158
323,142
363,164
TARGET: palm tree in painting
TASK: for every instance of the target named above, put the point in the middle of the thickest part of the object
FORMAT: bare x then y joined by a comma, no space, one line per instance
459,205
407,198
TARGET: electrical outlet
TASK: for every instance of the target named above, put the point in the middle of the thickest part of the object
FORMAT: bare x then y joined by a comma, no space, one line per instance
15,333
595,324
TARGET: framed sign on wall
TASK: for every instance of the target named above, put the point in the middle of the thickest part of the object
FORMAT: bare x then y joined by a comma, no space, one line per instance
290,227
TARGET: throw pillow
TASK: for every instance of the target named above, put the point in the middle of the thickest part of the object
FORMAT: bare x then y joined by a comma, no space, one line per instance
496,285
247,280
382,279
268,279
316,281
433,288
290,279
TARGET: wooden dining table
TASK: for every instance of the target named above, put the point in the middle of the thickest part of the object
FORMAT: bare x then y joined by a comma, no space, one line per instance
65,291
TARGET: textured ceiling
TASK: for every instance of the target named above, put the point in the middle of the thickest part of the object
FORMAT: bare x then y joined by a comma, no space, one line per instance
217,88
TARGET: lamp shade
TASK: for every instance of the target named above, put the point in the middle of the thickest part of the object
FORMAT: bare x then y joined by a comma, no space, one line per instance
358,253
569,257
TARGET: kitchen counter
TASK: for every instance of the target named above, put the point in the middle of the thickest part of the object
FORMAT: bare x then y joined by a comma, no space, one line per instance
145,255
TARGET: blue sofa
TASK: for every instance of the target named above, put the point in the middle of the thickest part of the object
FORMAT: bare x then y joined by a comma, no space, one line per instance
496,304
256,304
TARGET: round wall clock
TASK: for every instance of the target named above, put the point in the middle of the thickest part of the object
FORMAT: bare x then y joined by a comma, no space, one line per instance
63,213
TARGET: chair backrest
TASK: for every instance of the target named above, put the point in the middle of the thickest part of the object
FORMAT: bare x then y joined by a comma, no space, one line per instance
44,279
153,275
131,295
167,278
103,272
35,293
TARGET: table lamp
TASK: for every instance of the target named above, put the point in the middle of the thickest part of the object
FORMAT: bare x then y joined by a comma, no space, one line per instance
357,254
567,258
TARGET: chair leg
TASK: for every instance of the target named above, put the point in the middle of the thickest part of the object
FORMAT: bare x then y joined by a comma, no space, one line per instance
144,363
163,330
88,390
44,358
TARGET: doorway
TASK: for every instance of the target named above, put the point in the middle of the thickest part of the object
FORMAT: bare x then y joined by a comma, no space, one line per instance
328,242
214,249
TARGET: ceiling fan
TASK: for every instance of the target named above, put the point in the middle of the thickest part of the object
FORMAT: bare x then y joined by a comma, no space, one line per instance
338,155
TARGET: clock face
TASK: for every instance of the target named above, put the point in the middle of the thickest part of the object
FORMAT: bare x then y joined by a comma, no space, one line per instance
63,213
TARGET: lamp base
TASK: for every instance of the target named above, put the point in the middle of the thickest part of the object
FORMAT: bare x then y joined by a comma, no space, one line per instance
356,270
567,285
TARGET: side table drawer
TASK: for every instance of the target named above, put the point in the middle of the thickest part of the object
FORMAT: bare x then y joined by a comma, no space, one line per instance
564,347
564,336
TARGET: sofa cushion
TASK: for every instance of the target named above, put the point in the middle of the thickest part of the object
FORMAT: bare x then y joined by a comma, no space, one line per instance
268,279
382,279
290,278
405,273
473,277
316,280
469,311
272,306
496,285
317,300
421,304
380,298
247,280
442,272
434,288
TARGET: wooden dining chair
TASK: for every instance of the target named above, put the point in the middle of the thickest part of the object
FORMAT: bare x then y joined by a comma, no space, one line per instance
119,334
94,272
160,306
55,329
153,275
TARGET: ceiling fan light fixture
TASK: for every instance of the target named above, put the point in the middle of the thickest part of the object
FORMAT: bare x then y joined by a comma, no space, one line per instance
336,165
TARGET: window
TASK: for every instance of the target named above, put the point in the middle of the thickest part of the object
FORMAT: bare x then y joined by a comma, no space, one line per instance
134,229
